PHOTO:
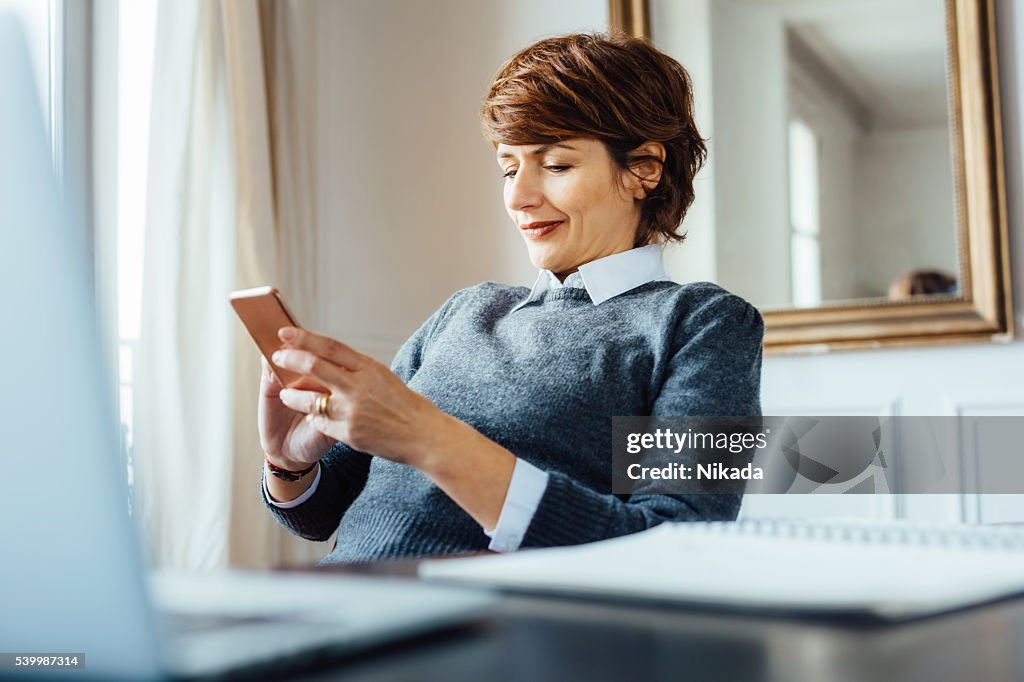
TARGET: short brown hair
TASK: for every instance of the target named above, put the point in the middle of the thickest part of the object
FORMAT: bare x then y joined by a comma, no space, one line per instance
614,88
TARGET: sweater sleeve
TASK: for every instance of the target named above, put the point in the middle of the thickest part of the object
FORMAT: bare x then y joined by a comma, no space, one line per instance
344,471
715,371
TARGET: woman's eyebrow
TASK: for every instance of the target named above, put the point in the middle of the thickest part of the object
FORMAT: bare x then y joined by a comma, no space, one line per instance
540,150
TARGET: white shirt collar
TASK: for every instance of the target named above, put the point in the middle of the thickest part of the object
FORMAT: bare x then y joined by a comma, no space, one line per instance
607,277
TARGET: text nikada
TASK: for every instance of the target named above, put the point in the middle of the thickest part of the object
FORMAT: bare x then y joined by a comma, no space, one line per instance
720,472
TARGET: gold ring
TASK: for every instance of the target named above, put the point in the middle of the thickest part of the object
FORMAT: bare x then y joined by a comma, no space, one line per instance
321,404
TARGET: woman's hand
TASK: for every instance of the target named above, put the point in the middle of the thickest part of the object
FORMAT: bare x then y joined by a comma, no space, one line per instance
289,439
373,411
368,408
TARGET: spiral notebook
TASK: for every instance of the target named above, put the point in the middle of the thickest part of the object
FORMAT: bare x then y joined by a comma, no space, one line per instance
884,569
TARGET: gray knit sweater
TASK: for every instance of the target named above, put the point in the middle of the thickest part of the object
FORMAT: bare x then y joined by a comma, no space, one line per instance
544,381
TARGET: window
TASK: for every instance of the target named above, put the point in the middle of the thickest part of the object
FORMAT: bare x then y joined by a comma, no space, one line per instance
51,27
804,217
136,36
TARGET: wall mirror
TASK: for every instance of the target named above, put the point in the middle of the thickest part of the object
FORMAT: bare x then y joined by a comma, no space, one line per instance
855,189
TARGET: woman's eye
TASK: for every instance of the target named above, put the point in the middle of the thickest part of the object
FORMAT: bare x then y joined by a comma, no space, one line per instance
510,173
558,169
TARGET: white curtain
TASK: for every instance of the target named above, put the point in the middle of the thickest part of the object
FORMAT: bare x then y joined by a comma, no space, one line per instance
220,216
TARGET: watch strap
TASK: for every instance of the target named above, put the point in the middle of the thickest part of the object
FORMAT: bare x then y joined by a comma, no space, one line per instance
285,474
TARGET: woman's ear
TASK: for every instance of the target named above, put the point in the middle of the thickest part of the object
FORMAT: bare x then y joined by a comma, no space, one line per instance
645,164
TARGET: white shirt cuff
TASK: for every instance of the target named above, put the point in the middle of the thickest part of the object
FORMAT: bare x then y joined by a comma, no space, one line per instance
524,492
290,503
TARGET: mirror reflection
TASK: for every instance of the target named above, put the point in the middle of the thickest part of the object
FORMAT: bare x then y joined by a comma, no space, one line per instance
831,168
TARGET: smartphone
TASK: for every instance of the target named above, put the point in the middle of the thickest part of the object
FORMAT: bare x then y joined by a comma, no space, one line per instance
263,312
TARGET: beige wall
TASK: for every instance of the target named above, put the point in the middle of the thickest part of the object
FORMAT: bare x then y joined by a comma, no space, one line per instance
909,179
409,203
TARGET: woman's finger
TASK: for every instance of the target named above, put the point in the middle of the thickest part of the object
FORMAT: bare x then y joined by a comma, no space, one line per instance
314,366
306,402
324,346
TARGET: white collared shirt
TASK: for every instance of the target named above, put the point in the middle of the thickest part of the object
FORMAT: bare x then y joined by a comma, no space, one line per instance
603,279
606,277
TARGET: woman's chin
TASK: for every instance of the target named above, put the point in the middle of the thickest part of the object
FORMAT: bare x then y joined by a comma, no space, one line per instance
545,259
546,264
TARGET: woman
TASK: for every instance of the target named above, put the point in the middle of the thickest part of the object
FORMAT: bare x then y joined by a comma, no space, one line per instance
492,429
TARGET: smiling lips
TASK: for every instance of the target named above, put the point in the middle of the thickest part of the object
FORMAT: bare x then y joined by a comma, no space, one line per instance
540,228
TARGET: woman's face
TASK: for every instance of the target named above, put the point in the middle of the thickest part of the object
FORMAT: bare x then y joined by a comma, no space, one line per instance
570,201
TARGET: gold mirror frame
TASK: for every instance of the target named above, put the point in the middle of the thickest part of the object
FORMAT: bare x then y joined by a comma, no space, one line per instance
983,311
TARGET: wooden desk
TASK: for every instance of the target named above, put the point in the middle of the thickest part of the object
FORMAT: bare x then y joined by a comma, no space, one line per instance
533,638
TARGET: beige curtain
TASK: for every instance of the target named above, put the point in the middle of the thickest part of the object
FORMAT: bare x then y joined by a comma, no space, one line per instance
228,207
269,56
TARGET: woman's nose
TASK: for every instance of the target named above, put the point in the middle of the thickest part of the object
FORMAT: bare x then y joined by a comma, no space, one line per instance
523,192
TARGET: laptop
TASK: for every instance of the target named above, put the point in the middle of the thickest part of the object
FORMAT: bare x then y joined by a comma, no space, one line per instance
72,578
